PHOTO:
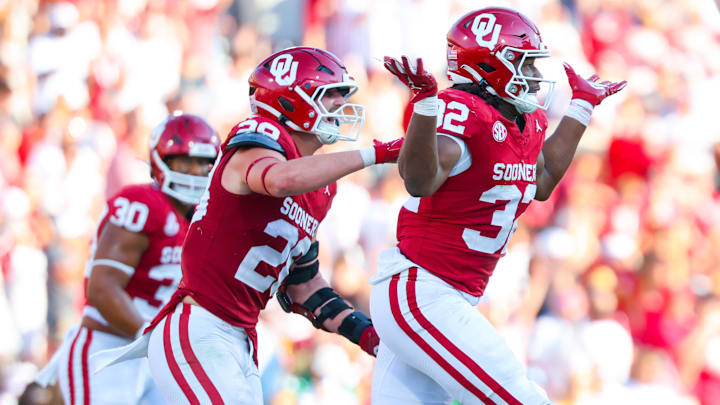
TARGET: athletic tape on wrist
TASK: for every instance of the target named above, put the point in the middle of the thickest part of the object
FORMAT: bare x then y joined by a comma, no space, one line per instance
367,155
427,107
580,110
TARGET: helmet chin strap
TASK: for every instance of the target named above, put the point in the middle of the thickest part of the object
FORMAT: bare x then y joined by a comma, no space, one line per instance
327,133
525,105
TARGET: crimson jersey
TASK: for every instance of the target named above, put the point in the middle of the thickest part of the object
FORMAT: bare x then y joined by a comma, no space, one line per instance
461,231
240,247
145,209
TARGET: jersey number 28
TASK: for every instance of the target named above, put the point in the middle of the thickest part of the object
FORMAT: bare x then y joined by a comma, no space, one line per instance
277,228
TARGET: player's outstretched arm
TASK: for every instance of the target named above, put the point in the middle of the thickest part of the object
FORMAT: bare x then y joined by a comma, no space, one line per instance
117,254
265,171
425,160
559,149
305,292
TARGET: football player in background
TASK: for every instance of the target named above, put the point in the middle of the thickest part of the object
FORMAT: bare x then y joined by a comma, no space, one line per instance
253,233
470,185
134,266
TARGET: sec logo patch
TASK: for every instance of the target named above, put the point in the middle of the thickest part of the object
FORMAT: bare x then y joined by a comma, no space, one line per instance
499,131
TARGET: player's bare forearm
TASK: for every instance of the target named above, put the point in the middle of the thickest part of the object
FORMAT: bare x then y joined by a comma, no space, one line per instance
305,292
120,249
310,173
559,149
419,158
418,162
558,152
115,305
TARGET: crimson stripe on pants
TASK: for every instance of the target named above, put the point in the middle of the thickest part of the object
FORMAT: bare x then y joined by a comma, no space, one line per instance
192,359
86,378
397,314
71,379
172,363
454,350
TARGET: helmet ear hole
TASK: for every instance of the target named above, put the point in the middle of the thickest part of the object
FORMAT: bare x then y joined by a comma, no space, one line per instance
325,69
487,68
286,104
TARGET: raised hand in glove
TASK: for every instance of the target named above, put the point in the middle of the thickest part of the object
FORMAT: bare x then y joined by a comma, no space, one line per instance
590,89
421,83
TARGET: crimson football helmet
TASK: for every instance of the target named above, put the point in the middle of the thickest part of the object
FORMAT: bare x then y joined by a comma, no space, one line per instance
490,45
181,134
289,86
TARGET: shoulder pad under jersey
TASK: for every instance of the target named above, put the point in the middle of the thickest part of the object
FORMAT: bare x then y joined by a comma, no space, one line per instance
258,132
255,139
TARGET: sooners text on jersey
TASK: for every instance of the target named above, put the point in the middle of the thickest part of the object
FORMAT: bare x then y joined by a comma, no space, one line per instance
145,209
240,247
461,231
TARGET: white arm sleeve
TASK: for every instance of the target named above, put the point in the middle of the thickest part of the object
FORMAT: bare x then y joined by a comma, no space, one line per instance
465,160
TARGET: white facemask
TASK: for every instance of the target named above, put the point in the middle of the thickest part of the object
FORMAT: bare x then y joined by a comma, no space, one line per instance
183,187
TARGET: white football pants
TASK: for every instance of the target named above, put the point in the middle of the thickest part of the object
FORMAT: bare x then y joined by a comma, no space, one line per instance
127,383
197,358
436,347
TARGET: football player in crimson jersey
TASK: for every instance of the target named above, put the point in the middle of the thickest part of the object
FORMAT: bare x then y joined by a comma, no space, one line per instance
470,185
253,234
134,266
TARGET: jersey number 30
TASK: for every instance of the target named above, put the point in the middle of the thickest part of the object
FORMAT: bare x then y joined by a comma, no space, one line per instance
504,218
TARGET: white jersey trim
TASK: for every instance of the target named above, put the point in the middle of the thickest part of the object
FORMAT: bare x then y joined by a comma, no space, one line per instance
389,263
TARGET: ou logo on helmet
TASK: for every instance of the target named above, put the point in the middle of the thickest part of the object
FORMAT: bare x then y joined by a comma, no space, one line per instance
483,25
284,69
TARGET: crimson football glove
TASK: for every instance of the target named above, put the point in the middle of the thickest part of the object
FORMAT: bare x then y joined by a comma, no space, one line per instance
369,341
589,89
387,152
421,83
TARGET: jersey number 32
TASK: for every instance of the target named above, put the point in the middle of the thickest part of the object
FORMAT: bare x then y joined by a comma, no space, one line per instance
504,218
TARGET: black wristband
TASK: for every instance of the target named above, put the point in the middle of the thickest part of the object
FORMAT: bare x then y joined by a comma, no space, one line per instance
353,326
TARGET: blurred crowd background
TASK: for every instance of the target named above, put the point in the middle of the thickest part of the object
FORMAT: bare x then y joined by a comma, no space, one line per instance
610,291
